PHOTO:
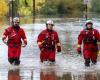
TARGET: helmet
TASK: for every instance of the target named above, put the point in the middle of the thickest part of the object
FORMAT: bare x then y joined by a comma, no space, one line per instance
16,19
89,22
50,22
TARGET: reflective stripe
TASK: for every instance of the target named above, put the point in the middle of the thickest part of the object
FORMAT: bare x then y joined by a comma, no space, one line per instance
98,42
78,45
58,44
42,42
39,43
98,53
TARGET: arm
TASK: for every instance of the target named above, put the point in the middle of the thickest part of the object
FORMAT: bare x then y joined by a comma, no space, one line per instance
4,36
40,41
24,38
58,44
80,38
98,39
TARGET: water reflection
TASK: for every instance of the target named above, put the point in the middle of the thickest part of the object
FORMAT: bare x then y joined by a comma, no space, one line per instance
48,75
92,76
51,74
86,76
66,76
14,74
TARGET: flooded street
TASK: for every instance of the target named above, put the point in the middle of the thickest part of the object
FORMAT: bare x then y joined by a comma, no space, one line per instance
69,65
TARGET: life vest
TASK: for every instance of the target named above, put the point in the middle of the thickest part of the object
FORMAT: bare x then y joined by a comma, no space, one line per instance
49,41
89,37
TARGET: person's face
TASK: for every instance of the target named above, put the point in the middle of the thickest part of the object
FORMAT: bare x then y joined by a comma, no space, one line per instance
16,24
89,25
50,26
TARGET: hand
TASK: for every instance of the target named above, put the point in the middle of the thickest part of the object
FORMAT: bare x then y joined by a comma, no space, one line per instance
5,42
41,49
98,53
58,48
23,45
79,50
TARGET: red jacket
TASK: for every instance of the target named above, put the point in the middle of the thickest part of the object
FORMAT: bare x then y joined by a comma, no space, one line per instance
49,40
89,39
14,36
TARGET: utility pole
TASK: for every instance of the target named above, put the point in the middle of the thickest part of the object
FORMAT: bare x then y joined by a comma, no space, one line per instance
11,11
33,11
86,12
86,8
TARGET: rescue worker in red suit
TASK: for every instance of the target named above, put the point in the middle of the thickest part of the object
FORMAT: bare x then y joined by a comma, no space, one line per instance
91,42
48,42
13,37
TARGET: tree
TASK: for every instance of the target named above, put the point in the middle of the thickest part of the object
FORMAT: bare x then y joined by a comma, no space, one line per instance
25,7
95,6
49,8
3,8
66,7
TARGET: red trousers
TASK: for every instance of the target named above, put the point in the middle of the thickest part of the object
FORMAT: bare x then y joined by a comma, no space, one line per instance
14,51
47,55
90,55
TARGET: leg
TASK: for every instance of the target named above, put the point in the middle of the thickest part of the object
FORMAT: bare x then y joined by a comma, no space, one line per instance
43,56
10,54
52,60
87,62
17,61
52,57
87,57
94,58
11,60
94,62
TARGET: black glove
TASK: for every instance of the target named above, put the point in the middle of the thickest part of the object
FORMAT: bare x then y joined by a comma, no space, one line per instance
79,50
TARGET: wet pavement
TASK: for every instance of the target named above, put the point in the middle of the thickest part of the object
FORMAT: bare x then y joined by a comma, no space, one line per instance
69,65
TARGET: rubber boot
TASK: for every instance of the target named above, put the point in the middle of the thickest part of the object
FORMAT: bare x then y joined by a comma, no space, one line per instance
11,60
17,61
94,62
87,62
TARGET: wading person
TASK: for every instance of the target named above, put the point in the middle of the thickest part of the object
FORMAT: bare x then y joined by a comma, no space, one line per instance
13,37
90,38
48,42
